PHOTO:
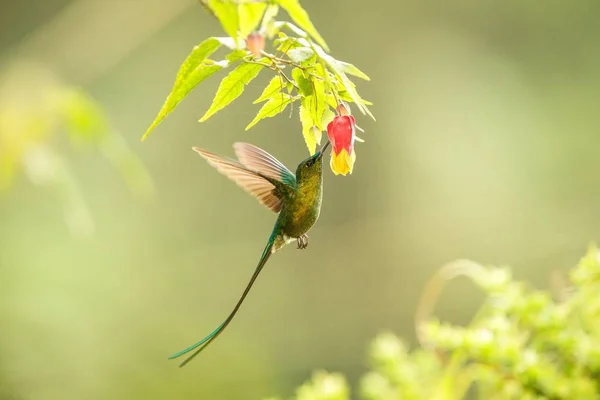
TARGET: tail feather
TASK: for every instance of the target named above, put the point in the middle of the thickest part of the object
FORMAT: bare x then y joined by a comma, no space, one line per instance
202,344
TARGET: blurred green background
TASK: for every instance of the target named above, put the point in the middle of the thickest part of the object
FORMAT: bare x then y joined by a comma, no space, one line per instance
485,147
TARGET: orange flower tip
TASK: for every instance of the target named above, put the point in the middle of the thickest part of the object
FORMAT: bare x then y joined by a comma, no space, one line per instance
255,43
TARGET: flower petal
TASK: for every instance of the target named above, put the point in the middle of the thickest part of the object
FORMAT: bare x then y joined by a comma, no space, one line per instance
343,162
341,133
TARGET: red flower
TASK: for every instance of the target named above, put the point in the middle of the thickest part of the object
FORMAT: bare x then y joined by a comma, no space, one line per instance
341,132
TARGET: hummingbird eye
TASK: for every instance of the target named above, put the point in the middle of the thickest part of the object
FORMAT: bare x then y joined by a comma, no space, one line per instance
310,162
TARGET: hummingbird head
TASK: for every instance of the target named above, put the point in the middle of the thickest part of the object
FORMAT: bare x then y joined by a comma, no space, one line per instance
312,167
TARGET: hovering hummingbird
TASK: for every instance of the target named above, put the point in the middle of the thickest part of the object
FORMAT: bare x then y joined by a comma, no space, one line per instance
297,199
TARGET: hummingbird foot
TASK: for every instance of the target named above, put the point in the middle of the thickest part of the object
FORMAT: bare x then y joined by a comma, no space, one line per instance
303,242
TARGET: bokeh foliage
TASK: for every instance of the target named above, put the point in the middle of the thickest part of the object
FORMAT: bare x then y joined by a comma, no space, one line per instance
523,343
38,111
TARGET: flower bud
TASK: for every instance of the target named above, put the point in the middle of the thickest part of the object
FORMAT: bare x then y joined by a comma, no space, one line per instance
255,43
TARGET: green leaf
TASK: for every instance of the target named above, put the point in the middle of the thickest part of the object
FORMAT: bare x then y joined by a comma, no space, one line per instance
344,95
350,69
194,70
250,15
300,54
300,16
305,87
274,106
271,90
343,79
328,116
227,14
236,55
319,104
312,134
232,86
330,100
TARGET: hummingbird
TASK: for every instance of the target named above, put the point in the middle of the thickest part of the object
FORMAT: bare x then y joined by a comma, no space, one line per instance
295,197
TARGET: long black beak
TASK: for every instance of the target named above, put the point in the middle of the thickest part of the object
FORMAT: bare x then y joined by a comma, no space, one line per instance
322,151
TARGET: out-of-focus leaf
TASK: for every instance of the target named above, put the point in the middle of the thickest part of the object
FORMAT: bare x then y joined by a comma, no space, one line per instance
274,106
300,54
227,42
300,16
115,150
250,15
350,69
227,14
271,90
232,86
194,70
267,26
84,119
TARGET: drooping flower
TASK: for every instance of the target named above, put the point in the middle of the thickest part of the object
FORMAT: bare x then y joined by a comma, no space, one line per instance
341,133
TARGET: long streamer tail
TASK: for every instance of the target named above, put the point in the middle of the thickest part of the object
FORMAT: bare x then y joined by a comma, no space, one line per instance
201,345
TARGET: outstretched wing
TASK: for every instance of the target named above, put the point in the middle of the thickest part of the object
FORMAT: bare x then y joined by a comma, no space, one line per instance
251,181
256,159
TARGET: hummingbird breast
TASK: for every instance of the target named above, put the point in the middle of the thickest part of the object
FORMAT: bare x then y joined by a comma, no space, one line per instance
302,211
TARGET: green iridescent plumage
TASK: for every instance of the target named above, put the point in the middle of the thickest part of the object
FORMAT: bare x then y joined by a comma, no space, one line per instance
296,197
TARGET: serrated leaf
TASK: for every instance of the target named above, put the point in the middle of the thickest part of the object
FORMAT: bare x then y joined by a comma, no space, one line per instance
194,70
274,106
305,87
232,86
271,90
308,127
300,17
350,69
300,54
250,15
227,14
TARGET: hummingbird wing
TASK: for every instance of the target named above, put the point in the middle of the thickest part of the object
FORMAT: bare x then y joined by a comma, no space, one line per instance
202,344
259,160
253,182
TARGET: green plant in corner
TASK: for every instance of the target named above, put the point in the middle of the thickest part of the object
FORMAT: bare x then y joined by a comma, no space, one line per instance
522,344
303,71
